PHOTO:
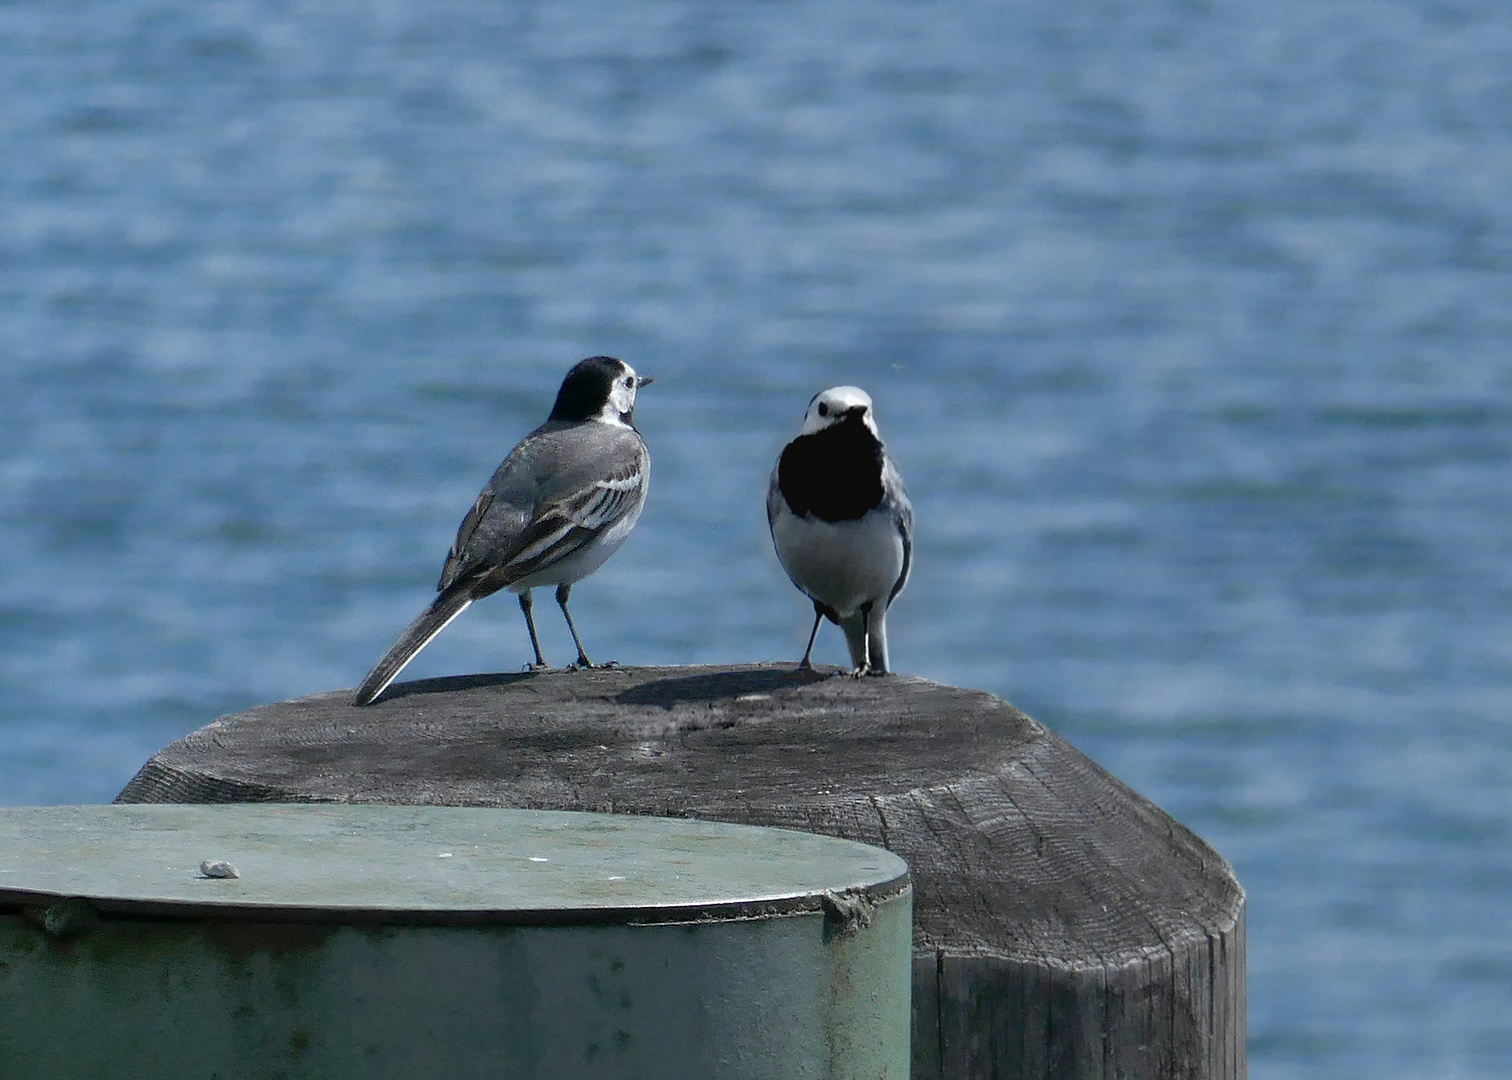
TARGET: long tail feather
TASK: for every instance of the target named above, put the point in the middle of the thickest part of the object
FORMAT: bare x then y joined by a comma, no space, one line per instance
417,636
877,646
866,638
855,639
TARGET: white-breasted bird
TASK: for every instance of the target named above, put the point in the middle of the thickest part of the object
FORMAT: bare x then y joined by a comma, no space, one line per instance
842,523
560,504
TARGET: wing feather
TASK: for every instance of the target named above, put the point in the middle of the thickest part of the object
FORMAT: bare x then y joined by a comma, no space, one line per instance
903,517
451,569
564,525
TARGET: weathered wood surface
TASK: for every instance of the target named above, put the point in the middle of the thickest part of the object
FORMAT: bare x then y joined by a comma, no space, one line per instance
1064,926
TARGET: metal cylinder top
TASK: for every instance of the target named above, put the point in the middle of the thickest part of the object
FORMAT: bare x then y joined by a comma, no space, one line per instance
438,864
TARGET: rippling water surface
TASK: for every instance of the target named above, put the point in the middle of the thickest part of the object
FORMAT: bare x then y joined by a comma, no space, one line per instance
1190,324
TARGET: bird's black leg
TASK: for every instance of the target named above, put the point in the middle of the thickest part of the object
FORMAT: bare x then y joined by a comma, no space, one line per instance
526,603
562,593
805,664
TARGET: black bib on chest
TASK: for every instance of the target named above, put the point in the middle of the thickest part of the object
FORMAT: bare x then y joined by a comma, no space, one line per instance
834,474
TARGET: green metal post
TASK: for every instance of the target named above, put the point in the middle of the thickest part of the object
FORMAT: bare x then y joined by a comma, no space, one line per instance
418,942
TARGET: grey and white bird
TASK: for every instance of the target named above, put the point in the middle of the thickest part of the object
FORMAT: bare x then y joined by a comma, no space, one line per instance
842,523
560,504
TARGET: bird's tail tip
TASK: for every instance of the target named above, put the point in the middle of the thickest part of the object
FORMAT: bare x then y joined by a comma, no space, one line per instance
416,636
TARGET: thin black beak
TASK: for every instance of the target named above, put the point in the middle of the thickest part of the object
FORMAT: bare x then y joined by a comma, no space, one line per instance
643,380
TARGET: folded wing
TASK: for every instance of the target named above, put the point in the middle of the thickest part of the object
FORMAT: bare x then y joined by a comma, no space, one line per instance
511,534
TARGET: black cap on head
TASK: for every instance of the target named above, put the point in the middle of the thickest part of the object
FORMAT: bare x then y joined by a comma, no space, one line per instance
586,388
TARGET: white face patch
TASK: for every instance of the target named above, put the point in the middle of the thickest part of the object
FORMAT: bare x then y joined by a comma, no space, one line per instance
621,396
830,406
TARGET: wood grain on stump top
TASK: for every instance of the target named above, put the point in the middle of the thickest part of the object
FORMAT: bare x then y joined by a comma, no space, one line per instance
1064,925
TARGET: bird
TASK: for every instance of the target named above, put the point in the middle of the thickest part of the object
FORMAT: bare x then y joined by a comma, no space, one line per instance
842,523
558,506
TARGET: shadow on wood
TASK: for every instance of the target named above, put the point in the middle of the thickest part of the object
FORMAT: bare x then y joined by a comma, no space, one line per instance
1064,926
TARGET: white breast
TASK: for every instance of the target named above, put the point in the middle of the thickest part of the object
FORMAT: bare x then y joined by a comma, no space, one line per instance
841,564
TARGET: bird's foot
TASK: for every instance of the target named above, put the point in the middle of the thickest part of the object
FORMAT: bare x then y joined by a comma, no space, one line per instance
583,663
537,668
861,670
878,671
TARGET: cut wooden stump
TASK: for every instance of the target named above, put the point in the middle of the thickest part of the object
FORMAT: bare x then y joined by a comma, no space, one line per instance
1064,925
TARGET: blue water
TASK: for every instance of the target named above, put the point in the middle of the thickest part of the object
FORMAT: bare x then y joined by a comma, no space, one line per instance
1190,324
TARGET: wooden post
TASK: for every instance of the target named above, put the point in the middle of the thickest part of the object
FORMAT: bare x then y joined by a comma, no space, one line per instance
1064,926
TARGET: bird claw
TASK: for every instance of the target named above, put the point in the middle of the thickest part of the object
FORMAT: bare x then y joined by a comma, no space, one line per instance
536,668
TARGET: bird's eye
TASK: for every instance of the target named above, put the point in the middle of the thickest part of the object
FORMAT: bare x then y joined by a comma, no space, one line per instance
629,381
823,409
